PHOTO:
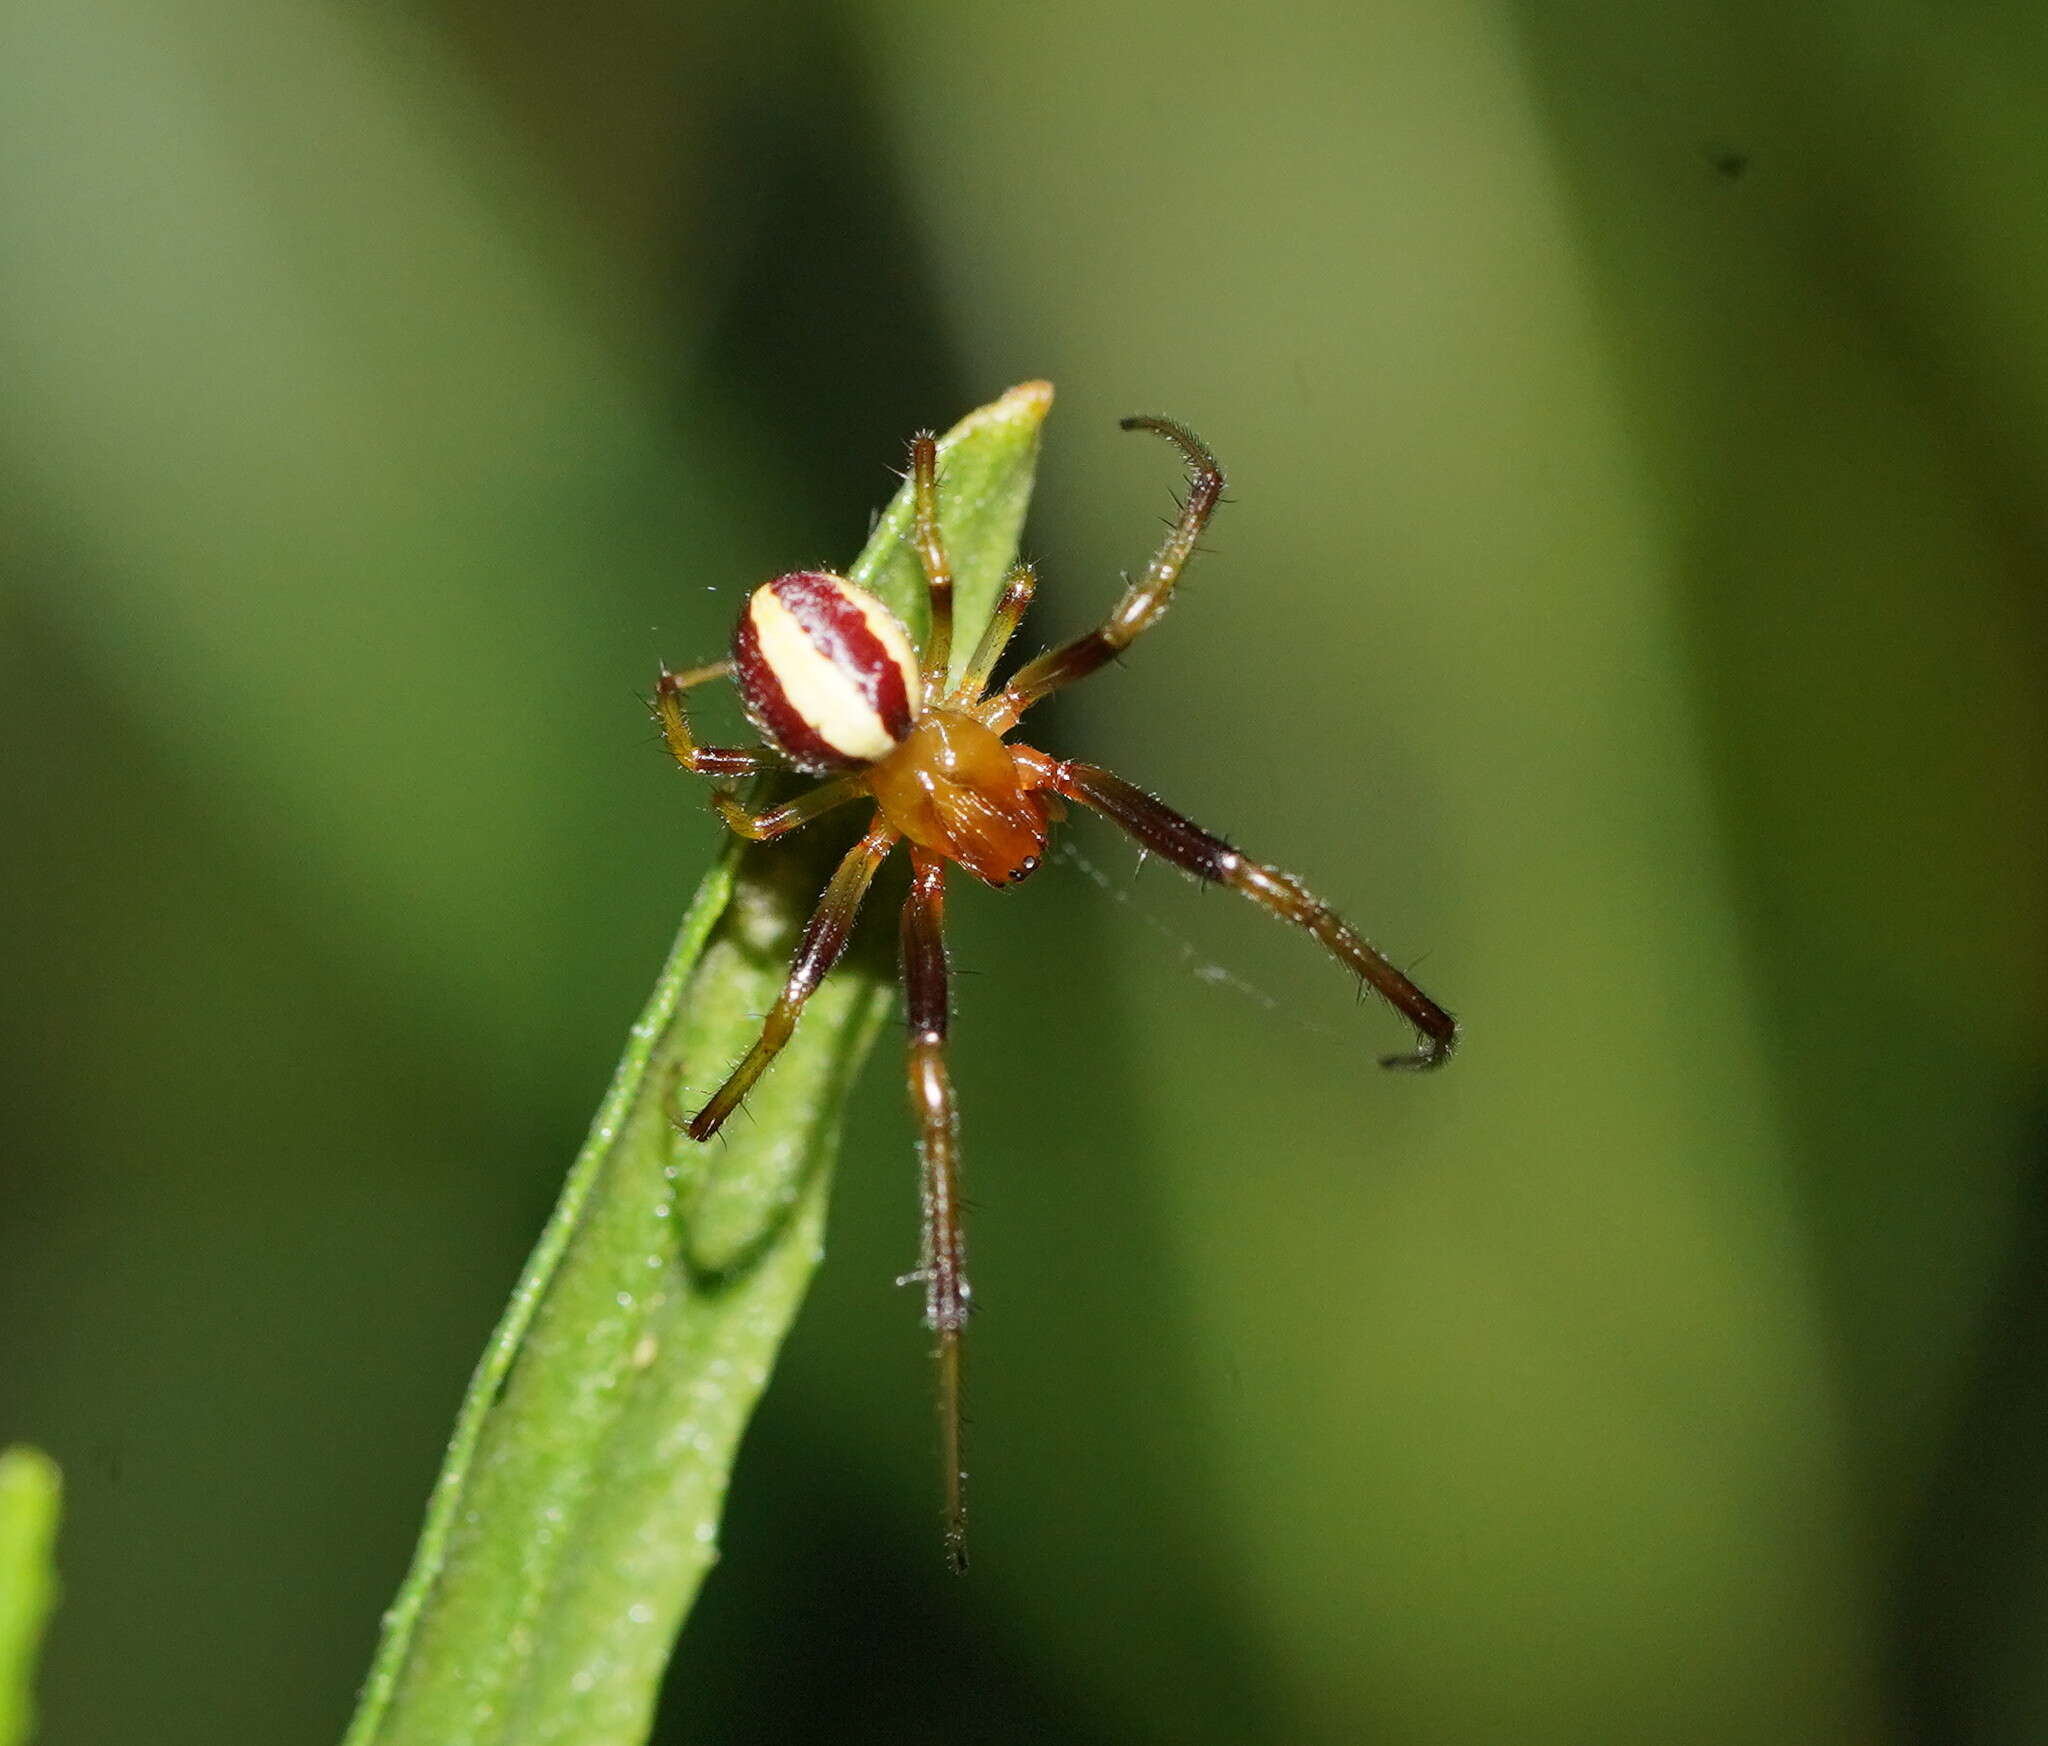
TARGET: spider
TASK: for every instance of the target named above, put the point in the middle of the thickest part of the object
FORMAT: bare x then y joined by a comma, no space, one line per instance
829,678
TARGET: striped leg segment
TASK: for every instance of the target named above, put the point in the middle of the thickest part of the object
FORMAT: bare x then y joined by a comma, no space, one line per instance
944,1266
1146,598
1184,843
938,568
824,939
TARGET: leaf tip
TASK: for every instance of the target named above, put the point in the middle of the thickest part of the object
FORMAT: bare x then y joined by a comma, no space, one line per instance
1026,405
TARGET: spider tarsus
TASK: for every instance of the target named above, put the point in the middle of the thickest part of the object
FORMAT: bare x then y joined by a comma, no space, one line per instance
1428,1054
1204,469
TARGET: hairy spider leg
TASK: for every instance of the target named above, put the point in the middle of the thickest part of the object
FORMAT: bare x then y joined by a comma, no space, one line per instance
943,1270
938,568
736,760
758,827
682,745
1184,843
1018,587
739,761
1143,601
824,939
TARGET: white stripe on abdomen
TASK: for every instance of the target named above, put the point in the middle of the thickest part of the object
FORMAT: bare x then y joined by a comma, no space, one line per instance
828,699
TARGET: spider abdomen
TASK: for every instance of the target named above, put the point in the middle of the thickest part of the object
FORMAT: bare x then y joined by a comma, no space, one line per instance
826,671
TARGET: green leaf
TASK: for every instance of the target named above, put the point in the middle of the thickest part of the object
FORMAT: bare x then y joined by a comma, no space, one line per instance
577,1510
30,1492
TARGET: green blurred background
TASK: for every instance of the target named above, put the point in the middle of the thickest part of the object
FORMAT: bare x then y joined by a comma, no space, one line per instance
1629,611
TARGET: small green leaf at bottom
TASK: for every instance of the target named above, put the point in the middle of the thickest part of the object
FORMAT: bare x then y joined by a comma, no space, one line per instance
30,1493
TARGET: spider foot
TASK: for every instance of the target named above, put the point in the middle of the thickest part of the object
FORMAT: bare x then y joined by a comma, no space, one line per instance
1428,1054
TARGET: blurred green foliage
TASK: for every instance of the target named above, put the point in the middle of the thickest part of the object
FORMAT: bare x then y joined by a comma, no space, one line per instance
1631,600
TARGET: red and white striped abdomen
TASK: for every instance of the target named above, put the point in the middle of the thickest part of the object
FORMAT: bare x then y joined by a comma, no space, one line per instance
825,670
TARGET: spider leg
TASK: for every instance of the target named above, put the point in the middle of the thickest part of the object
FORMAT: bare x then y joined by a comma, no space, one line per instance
824,939
738,761
682,745
1018,588
1144,600
1184,843
938,568
758,827
946,1292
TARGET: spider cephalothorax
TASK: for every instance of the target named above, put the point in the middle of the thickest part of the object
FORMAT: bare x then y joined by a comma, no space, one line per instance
829,676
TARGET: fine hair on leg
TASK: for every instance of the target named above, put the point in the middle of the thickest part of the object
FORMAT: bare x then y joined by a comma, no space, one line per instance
1144,600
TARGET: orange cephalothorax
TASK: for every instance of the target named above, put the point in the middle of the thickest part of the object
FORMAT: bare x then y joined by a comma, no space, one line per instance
954,787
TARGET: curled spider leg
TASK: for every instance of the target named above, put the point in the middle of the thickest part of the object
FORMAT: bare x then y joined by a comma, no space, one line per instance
1144,600
1018,588
682,744
1179,840
824,939
931,555
943,1269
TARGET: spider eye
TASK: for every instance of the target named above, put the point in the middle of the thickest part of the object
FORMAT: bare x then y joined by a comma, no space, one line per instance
825,670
